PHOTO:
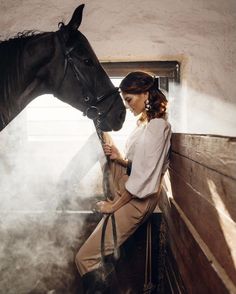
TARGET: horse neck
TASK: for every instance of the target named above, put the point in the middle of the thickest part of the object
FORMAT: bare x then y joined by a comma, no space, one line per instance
23,73
11,74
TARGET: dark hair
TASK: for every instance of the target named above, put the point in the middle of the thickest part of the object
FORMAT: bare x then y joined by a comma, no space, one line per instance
139,82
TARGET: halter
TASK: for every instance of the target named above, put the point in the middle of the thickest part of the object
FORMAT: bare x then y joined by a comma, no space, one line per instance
91,109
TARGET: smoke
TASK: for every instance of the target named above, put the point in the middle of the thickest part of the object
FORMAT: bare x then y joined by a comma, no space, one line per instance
43,186
195,112
42,194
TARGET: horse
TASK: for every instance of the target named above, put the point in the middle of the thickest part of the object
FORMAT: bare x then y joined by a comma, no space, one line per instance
61,63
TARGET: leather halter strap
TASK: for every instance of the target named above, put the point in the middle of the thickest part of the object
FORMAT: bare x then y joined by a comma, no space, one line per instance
91,102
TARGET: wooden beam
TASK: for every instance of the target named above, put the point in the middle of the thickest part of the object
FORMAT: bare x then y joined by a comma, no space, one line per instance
200,270
214,187
217,230
215,152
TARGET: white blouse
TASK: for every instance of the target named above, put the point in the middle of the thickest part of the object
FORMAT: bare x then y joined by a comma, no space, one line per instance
147,148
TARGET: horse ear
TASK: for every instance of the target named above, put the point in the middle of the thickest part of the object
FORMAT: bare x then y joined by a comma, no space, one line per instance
76,18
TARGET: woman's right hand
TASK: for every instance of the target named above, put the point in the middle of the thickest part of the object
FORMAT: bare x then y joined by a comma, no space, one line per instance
111,151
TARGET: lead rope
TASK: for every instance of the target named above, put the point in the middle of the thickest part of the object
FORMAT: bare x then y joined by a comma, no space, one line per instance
107,193
148,286
161,258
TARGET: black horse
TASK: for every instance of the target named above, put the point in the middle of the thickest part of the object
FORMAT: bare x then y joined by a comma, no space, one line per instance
61,63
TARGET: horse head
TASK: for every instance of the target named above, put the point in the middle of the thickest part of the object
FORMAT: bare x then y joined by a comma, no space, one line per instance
83,83
61,63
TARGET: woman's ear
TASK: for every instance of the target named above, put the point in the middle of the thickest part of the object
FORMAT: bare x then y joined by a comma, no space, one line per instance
146,95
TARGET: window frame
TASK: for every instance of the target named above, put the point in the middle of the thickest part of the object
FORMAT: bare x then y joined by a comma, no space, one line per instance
167,71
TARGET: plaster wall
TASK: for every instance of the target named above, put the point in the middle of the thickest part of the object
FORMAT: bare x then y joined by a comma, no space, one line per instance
199,34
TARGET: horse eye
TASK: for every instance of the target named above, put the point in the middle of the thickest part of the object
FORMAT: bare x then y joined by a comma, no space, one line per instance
88,61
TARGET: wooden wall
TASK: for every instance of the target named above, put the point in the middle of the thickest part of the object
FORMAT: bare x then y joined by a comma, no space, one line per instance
199,204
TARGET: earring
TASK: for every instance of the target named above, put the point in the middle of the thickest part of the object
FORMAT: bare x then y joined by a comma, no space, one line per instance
147,105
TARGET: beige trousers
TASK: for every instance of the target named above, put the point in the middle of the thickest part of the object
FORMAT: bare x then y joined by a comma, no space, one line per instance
128,218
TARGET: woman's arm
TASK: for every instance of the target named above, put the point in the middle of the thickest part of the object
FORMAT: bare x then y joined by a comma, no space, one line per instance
112,151
112,206
115,155
122,161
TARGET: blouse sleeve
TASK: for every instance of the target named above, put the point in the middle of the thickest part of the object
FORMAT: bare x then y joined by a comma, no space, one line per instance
150,155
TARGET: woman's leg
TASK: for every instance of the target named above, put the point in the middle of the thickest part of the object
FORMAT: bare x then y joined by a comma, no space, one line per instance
128,219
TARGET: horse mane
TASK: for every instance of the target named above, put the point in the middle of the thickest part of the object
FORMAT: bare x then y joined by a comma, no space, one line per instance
22,35
11,65
14,45
17,42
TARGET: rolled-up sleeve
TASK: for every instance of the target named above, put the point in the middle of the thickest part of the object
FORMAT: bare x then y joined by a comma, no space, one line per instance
149,157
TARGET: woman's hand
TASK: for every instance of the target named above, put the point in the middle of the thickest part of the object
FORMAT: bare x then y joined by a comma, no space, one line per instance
105,207
110,206
111,151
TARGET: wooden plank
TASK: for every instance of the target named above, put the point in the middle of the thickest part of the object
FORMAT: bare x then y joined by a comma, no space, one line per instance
216,188
215,152
199,269
217,230
195,269
174,283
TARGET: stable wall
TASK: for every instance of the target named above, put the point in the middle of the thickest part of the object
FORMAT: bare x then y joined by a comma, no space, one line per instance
199,34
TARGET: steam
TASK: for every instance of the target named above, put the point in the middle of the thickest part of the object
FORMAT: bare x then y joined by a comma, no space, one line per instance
41,228
44,186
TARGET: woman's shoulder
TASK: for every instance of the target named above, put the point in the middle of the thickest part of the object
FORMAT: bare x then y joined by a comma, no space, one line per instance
158,124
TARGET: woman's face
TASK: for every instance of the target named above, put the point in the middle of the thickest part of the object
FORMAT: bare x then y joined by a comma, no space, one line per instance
135,102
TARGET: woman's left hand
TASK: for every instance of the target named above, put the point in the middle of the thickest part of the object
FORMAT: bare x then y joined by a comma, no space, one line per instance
112,151
105,207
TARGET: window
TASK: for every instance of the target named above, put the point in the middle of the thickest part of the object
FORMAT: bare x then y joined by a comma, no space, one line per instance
168,71
49,119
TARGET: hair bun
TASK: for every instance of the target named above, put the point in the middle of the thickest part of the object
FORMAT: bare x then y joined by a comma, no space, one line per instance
156,82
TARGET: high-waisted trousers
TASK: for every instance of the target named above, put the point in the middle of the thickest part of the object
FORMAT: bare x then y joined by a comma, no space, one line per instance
128,218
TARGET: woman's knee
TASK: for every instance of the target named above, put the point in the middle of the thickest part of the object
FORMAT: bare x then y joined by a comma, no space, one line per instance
85,261
80,259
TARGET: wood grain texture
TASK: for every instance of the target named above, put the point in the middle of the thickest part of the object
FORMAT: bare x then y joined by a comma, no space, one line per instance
214,152
200,208
197,268
217,230
214,187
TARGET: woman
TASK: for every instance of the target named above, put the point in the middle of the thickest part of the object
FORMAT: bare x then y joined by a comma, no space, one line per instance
136,178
